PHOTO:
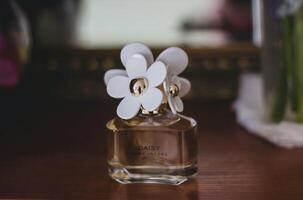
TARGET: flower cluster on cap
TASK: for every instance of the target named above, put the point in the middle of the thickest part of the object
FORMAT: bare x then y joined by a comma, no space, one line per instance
146,82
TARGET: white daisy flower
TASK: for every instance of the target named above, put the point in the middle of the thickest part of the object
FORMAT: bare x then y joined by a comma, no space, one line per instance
176,60
138,84
133,57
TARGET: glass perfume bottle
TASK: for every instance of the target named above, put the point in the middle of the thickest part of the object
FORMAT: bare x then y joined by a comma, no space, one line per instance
157,147
147,141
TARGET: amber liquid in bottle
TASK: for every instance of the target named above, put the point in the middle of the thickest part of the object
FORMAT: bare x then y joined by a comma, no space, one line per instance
160,148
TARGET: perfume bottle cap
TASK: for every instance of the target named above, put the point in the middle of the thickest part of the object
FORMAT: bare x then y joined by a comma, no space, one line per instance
147,84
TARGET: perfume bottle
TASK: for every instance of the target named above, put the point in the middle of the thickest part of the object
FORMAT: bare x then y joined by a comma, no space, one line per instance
149,141
152,148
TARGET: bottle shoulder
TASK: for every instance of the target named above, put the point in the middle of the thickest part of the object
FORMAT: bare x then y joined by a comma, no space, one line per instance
163,122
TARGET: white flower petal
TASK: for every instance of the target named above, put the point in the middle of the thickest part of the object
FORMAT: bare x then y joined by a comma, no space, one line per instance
113,72
166,85
118,86
128,107
185,86
178,104
175,80
136,48
151,99
171,104
136,66
175,58
156,74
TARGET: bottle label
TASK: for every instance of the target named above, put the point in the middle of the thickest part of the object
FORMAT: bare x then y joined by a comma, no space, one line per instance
153,148
148,150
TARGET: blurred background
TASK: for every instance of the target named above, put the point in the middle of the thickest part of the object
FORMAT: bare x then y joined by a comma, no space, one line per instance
55,50
54,106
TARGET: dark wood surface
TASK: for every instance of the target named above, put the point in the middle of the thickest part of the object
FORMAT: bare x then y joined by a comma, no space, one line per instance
57,150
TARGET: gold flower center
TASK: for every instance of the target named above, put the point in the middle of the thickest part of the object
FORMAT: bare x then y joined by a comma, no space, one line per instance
174,90
138,86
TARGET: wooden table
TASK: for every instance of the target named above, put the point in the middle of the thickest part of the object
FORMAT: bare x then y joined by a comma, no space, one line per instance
57,150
